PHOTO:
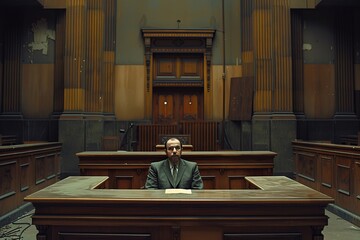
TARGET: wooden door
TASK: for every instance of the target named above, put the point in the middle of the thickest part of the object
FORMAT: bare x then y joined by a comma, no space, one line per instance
173,105
178,88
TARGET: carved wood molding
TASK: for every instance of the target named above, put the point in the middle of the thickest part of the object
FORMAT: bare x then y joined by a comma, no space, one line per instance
178,41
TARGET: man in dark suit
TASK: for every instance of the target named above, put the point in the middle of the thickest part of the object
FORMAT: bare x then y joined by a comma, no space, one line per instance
173,172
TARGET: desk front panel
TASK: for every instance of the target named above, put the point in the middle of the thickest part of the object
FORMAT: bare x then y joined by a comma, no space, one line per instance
279,208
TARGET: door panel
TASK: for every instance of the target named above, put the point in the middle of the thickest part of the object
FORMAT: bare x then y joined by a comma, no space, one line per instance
190,106
191,68
166,107
165,68
173,105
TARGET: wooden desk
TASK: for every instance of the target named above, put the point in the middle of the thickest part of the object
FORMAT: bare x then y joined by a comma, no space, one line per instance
280,208
219,169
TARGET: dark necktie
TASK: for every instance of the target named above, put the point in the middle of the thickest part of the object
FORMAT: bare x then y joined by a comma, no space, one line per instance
174,172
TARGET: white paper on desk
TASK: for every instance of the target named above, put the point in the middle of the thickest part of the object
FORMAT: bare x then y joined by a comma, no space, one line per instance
177,190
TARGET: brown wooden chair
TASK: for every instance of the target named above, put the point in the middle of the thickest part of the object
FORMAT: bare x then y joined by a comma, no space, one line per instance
186,147
184,138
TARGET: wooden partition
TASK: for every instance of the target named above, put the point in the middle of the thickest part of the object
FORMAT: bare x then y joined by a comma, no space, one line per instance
332,169
275,208
219,170
203,134
24,169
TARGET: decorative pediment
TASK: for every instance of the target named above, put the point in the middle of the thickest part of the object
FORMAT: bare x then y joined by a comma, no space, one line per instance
178,41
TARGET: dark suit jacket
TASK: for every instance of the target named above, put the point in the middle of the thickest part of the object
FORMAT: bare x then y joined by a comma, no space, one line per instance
160,177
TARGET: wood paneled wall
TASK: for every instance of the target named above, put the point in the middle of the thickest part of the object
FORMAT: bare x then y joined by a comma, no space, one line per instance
324,71
37,90
319,86
331,169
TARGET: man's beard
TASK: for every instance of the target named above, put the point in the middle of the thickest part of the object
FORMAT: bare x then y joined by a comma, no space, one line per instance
175,158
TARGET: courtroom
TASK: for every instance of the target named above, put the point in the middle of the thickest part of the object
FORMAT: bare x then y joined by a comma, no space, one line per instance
180,120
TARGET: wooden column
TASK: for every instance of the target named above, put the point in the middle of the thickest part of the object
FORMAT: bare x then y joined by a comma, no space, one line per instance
75,44
94,56
267,60
283,101
11,90
59,63
344,66
90,56
247,46
272,56
109,56
298,63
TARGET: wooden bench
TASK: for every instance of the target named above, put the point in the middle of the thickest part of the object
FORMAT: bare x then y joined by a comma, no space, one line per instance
7,140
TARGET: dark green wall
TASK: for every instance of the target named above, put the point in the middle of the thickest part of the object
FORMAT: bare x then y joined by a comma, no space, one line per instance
132,16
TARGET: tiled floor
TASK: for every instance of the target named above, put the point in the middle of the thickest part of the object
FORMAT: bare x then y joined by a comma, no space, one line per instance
338,229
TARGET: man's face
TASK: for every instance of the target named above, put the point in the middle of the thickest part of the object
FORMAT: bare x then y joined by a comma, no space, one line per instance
173,150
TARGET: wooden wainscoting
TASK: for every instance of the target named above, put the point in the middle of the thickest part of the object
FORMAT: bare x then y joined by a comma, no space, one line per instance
24,169
332,169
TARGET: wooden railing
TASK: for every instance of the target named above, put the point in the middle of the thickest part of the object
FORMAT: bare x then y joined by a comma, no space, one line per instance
204,135
148,135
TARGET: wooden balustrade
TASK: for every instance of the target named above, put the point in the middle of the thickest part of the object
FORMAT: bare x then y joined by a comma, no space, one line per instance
203,135
148,135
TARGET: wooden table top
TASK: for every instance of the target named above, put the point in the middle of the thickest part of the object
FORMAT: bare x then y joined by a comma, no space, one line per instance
184,153
271,189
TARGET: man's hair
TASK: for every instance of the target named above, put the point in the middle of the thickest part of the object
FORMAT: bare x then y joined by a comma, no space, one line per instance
172,138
